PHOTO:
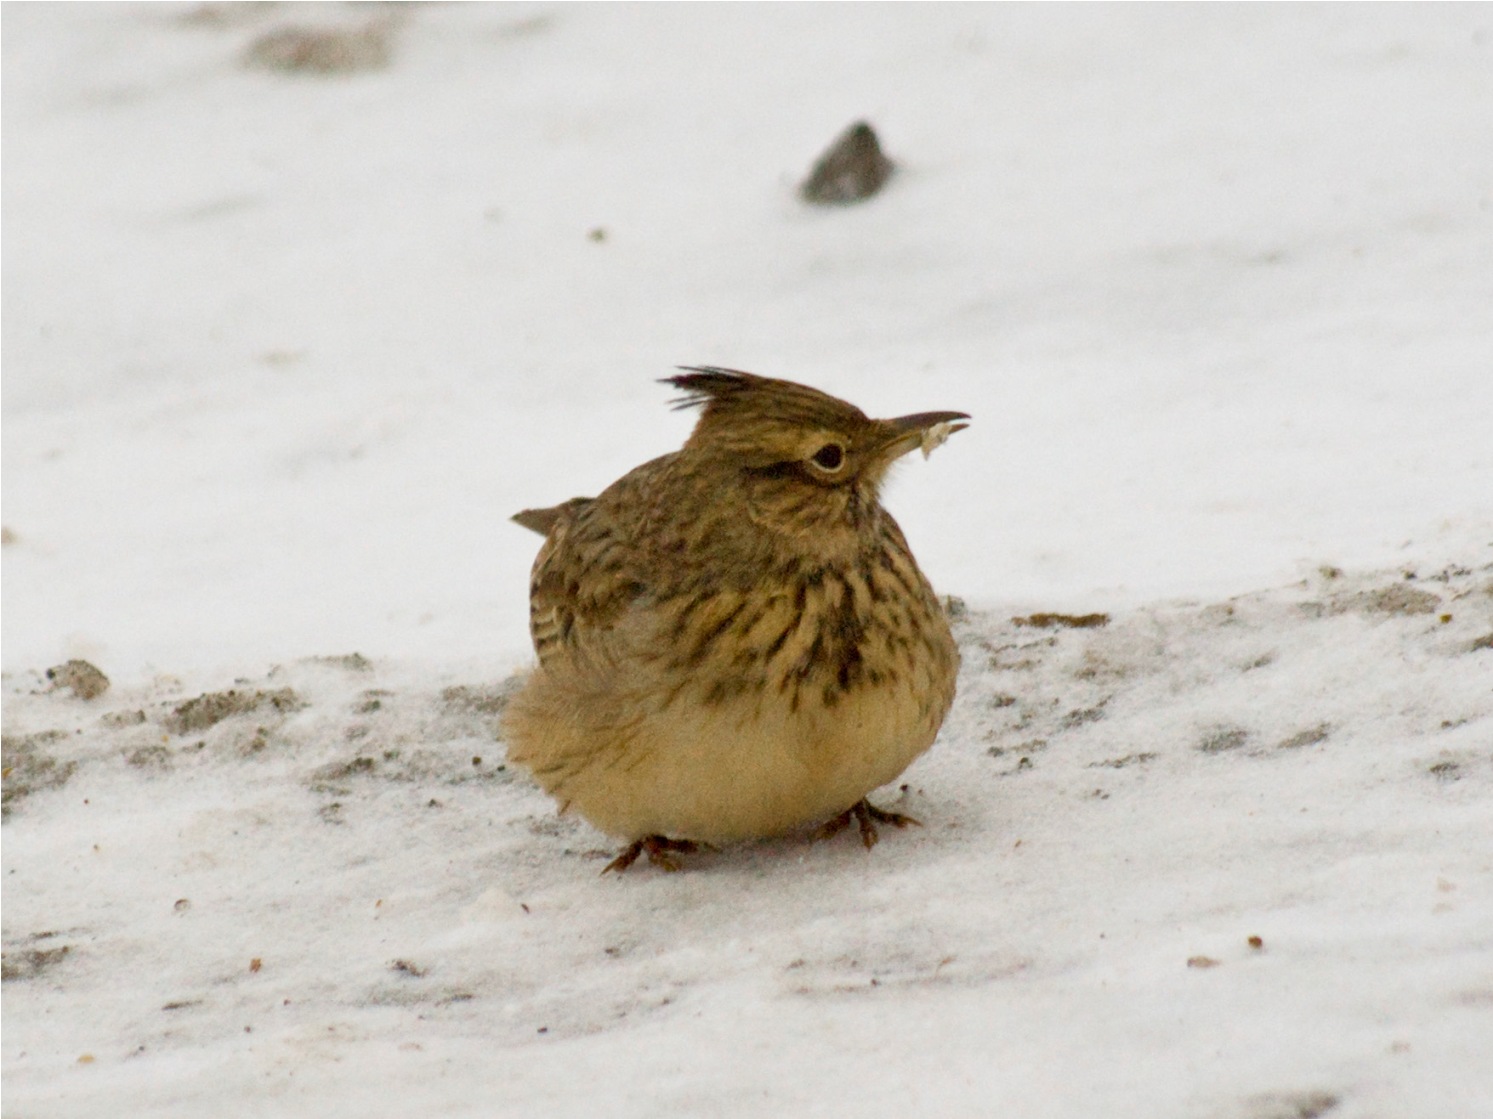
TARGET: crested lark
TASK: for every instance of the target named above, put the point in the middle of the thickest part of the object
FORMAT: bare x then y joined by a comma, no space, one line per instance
734,640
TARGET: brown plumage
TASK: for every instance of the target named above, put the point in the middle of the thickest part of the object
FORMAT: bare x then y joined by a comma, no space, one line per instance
734,640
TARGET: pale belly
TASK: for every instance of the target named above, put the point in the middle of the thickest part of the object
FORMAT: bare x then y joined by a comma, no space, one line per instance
742,768
737,771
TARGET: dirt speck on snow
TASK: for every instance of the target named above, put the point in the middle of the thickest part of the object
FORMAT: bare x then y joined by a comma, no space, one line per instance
323,51
84,679
212,708
1062,621
28,768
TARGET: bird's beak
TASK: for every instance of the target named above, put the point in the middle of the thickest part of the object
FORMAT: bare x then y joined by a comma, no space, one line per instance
925,429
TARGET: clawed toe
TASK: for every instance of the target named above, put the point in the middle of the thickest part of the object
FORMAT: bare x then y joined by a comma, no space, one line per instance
658,848
866,816
661,850
831,828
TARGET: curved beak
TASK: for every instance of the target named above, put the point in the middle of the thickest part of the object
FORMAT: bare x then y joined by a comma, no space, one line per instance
924,429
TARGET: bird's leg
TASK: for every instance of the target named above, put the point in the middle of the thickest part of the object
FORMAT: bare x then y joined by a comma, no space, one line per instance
867,816
657,848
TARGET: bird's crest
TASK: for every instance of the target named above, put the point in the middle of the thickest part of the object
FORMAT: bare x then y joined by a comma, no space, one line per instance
729,397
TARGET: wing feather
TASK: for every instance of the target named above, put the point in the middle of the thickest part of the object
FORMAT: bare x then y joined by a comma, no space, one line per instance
592,567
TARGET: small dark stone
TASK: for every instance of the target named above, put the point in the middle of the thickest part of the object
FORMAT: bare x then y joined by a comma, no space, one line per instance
852,169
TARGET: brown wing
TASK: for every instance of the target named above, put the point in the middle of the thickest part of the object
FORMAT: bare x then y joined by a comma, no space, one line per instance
590,569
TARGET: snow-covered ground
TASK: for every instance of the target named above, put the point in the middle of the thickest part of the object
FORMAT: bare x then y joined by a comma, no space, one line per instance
283,350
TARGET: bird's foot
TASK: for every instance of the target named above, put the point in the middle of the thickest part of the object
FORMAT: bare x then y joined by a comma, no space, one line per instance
867,816
657,848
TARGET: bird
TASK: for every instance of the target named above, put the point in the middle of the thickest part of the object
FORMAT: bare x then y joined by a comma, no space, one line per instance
734,641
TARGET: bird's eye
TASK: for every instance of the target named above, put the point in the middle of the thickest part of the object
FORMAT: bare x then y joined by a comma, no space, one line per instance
830,457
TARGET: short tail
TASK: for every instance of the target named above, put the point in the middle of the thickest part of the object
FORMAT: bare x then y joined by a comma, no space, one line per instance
542,520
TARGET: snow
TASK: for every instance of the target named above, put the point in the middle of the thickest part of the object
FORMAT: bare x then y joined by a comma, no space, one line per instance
283,351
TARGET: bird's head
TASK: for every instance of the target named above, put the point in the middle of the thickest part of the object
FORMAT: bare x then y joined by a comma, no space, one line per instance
797,448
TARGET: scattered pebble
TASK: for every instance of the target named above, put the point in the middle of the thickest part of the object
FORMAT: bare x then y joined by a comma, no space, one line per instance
851,170
86,681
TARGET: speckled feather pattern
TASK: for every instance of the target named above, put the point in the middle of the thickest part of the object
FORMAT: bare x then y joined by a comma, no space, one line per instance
732,644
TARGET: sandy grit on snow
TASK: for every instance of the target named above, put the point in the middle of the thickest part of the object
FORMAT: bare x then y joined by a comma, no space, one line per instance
1245,841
